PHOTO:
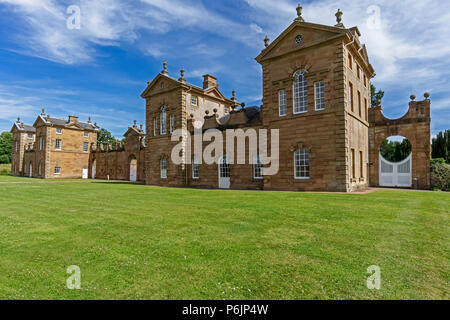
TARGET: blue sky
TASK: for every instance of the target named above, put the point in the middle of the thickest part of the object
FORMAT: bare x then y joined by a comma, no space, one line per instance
100,69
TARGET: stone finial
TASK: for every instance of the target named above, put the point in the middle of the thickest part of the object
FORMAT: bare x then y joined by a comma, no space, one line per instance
339,15
207,112
266,41
426,95
182,79
89,120
148,82
378,103
165,72
299,14
18,119
412,97
141,126
43,111
215,110
135,124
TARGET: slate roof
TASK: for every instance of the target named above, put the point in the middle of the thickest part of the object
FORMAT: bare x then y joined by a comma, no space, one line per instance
26,127
65,123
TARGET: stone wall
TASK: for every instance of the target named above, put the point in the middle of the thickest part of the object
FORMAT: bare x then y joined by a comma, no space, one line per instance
415,126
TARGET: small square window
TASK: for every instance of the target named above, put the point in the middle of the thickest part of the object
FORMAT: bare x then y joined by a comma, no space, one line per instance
57,170
58,131
86,134
30,136
58,144
194,100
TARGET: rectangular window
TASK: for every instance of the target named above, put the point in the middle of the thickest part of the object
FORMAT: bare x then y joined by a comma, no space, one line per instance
353,163
58,145
163,169
194,100
359,104
350,61
17,146
41,143
282,103
361,164
319,94
86,147
195,169
30,136
57,170
365,81
301,163
258,168
350,92
359,72
155,127
58,131
366,109
86,134
172,123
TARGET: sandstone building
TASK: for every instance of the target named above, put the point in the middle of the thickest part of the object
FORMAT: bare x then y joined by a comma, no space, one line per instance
52,147
316,92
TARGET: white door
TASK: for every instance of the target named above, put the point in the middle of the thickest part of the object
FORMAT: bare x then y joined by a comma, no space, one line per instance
133,176
396,174
31,170
224,174
85,173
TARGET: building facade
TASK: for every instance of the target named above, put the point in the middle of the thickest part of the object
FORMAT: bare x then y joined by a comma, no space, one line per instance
316,104
52,147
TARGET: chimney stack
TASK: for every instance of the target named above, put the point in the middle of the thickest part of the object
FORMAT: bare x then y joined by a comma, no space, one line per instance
73,119
209,81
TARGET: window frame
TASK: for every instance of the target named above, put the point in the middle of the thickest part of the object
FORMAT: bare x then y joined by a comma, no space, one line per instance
305,153
85,146
361,164
366,109
155,126
59,131
163,121
351,94
282,102
258,168
194,98
195,169
353,162
350,61
60,144
163,168
300,93
321,98
171,123
359,104
86,134
56,171
41,143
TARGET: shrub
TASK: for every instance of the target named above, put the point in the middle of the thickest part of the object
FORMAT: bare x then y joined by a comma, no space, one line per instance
437,160
440,176
5,159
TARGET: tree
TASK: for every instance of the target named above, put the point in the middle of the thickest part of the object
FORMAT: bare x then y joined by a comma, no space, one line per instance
5,147
105,137
395,151
376,95
440,147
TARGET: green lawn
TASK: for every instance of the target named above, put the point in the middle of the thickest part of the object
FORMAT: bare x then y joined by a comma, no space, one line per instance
138,242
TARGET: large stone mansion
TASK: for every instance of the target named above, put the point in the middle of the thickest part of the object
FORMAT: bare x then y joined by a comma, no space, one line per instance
316,91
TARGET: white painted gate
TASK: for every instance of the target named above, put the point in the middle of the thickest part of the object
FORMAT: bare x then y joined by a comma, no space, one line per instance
31,170
93,172
133,176
85,173
396,174
224,174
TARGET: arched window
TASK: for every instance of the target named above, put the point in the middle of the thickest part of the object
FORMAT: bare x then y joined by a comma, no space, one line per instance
163,120
163,168
300,92
301,164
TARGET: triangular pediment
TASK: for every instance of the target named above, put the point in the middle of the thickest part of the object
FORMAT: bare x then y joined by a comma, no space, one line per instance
156,84
298,36
39,122
214,92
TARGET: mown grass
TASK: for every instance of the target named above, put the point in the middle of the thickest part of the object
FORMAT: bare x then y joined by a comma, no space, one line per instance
138,242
